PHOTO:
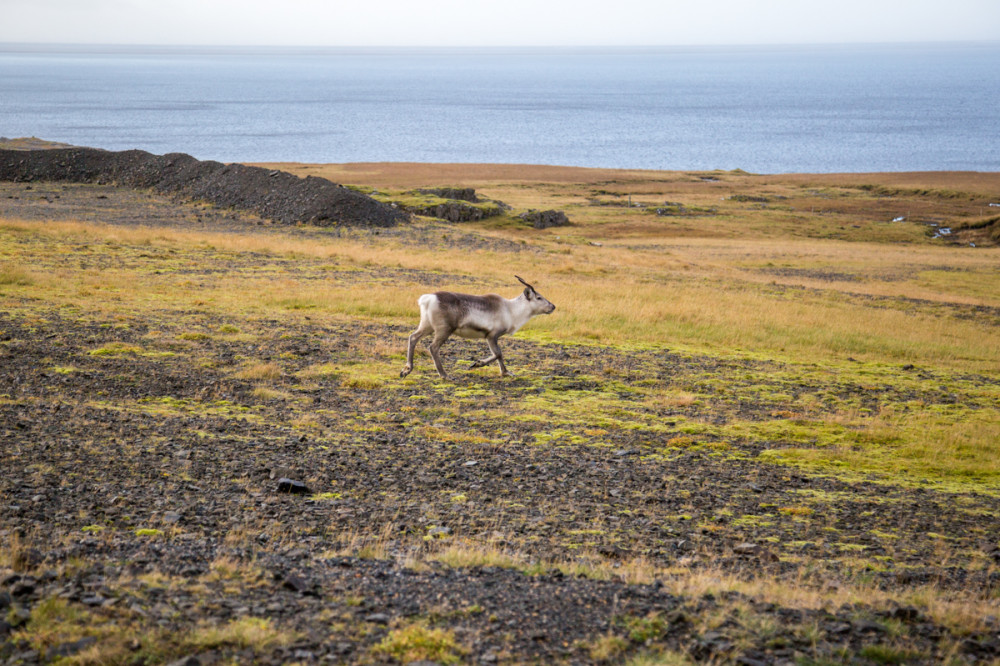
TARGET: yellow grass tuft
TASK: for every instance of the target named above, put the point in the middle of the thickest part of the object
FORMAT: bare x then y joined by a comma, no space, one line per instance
261,372
15,275
247,632
419,642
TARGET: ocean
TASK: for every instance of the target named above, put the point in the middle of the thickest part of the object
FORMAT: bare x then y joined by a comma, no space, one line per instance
784,109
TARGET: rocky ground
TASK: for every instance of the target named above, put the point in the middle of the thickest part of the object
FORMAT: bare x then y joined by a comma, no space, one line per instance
214,488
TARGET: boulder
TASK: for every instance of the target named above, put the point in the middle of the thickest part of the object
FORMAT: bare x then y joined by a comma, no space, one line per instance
544,219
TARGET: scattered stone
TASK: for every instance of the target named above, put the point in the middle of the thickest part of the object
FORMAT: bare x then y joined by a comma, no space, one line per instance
865,627
186,661
71,648
298,584
746,660
22,588
18,615
281,473
286,485
713,642
906,614
378,618
746,549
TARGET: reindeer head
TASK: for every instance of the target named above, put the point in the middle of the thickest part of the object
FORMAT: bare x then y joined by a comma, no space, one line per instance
539,304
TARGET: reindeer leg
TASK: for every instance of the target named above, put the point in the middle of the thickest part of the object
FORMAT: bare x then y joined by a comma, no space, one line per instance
493,342
439,337
423,329
478,363
494,355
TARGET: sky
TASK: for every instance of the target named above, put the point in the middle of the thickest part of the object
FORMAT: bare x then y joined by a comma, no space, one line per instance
495,22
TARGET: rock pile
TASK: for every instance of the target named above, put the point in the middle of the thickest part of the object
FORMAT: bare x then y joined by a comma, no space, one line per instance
543,219
275,195
456,204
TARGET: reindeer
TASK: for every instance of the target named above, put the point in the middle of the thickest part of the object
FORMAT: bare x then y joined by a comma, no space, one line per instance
490,316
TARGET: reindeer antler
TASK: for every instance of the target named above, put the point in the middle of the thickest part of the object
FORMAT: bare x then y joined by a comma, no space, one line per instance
524,283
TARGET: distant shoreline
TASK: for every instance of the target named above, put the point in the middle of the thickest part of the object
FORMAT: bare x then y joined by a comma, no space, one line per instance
549,172
243,49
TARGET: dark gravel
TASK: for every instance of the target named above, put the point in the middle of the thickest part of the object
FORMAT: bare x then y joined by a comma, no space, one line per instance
274,195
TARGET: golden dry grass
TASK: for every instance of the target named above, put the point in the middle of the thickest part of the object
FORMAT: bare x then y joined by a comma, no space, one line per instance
739,296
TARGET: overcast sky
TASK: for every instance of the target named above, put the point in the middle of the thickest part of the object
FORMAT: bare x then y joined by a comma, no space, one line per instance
495,22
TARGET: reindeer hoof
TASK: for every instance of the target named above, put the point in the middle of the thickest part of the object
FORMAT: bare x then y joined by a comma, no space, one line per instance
405,371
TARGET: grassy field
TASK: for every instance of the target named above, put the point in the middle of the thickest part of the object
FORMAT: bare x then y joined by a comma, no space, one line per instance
805,380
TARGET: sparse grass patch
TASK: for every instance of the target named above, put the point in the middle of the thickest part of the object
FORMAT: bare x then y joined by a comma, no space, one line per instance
888,654
319,371
465,553
194,336
418,642
607,648
260,372
649,628
15,276
228,568
116,349
320,497
958,448
14,554
660,658
258,634
266,393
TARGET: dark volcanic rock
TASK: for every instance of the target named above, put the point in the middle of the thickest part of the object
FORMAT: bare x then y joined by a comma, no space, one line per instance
292,486
460,193
275,195
543,219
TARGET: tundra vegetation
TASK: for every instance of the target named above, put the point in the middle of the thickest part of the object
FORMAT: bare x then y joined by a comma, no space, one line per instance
763,424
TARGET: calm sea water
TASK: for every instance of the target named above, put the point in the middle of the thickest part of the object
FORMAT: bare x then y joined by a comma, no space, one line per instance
762,109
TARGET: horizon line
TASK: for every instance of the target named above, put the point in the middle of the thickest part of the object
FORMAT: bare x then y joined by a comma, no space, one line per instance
89,46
